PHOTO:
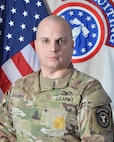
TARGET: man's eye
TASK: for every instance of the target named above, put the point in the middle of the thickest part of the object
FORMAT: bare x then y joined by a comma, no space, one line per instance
45,41
61,41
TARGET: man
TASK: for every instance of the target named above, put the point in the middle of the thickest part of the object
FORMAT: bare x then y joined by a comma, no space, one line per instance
57,103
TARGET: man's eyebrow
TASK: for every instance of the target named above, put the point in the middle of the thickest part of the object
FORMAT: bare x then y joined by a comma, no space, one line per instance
62,38
44,38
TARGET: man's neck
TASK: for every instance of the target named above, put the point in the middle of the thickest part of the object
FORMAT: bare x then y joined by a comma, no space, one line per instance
54,74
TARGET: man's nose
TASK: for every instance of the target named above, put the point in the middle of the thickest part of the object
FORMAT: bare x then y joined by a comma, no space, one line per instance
54,46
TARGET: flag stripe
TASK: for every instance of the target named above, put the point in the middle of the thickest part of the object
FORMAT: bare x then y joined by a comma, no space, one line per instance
6,84
21,64
31,57
32,45
11,71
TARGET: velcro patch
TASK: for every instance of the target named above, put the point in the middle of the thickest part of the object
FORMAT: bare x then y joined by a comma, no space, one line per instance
103,117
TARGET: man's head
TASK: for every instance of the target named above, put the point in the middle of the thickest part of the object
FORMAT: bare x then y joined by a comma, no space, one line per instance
54,43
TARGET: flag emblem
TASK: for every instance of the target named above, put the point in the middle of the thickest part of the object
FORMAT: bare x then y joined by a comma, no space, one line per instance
87,29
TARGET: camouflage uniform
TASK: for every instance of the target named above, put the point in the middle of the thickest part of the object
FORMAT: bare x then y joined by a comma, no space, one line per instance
74,108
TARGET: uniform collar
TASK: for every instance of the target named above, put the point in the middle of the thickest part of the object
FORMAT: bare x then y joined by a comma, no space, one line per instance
50,84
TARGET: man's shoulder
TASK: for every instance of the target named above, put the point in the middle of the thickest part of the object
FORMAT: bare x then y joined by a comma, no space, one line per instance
82,80
28,78
90,88
26,83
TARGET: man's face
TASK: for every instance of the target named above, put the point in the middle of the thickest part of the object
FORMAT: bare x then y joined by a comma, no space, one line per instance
54,45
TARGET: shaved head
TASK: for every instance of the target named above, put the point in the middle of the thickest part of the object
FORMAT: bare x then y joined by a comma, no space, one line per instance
55,19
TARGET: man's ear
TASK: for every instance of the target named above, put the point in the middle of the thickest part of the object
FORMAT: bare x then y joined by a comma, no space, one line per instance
35,44
72,43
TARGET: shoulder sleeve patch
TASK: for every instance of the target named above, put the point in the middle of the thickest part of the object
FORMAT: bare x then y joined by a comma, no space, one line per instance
103,118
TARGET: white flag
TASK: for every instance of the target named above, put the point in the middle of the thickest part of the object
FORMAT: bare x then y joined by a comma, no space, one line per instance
93,32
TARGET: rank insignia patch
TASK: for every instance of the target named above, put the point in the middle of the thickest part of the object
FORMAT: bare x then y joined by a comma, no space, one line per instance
103,117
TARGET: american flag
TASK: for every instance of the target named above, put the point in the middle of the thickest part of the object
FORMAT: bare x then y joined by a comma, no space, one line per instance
18,24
